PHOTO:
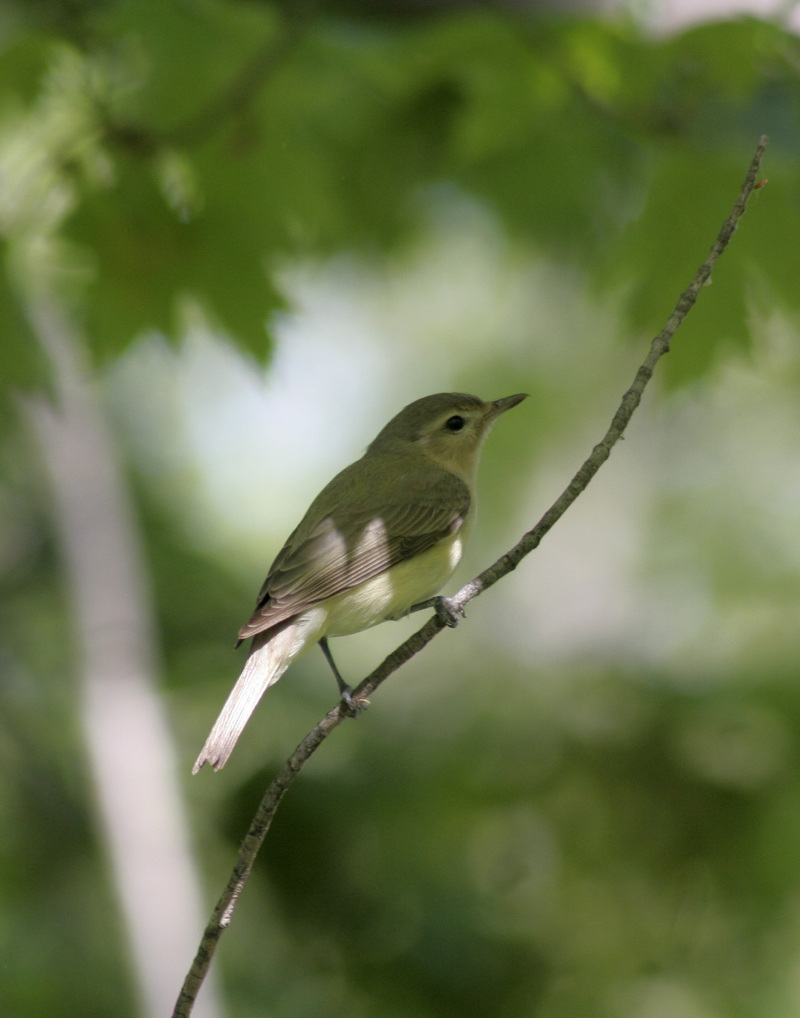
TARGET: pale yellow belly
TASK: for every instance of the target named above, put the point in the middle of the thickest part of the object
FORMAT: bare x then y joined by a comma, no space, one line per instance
392,593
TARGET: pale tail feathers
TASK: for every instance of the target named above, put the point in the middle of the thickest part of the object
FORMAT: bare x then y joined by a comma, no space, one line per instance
260,671
263,668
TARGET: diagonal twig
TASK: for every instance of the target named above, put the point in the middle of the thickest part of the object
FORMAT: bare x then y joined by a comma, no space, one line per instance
254,838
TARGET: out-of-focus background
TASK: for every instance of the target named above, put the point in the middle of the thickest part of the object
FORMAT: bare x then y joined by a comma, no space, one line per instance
237,238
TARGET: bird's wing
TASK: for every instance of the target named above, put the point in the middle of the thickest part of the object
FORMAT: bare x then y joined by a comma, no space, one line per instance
343,550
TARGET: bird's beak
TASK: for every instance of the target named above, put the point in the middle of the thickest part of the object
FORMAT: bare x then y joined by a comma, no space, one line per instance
499,406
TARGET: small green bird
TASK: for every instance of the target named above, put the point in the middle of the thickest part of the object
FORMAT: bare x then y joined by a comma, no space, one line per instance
382,537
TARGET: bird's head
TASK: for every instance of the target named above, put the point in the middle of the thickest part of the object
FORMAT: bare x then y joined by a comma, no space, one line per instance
448,427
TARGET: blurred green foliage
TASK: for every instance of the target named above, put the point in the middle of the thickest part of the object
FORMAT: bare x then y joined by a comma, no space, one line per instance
627,847
204,143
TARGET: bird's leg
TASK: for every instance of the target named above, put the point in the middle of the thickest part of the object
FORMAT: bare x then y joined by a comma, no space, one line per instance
353,708
447,609
345,691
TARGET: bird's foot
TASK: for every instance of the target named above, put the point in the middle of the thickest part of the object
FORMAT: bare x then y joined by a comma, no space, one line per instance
448,611
352,705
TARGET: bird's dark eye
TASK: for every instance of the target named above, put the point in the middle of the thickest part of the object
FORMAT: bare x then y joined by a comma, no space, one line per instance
454,423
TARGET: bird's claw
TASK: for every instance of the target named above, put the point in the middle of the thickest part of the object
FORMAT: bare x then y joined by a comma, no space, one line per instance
352,705
448,611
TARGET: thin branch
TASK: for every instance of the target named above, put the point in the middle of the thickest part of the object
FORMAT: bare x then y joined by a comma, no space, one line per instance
221,916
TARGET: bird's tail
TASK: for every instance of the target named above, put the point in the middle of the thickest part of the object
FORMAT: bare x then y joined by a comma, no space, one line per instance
271,655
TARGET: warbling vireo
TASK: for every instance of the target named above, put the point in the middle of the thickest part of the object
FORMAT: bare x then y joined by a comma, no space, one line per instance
376,543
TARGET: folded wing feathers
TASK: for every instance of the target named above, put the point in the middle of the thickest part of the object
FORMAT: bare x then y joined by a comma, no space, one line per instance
324,563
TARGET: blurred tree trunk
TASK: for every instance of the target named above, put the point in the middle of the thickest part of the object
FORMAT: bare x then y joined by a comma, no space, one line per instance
129,745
